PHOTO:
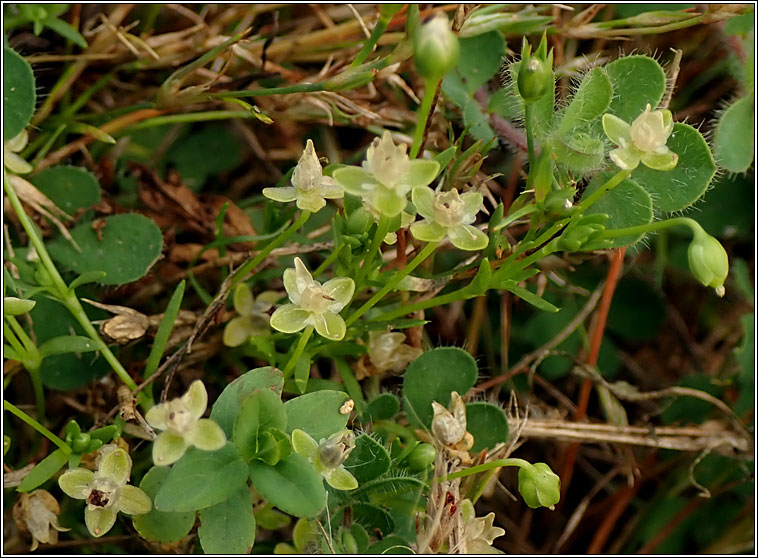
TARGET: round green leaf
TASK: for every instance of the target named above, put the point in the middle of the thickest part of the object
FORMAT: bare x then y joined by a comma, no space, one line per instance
228,404
368,460
201,479
261,410
637,81
70,188
293,485
682,186
317,413
160,526
229,526
733,143
131,243
488,425
480,59
19,94
591,100
432,377
627,205
383,407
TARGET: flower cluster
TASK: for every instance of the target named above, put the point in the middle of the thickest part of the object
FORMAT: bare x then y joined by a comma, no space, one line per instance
180,418
313,304
106,490
642,141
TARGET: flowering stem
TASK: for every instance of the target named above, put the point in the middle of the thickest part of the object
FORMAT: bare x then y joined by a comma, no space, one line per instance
32,364
37,426
302,342
328,261
376,33
652,227
381,231
66,296
430,89
508,462
529,122
246,268
425,253
612,182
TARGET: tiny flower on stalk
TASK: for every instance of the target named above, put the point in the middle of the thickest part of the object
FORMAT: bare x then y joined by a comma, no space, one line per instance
310,188
328,456
448,214
435,48
253,319
479,532
106,491
37,513
180,418
642,141
313,304
708,261
539,486
386,177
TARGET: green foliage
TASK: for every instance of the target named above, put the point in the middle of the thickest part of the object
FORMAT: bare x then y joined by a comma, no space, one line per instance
44,470
228,404
383,407
262,410
161,526
130,245
638,81
432,377
733,145
368,460
317,413
292,485
627,205
229,526
70,188
19,93
487,423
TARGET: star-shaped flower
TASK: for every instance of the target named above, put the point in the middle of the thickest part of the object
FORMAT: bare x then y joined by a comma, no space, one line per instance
386,177
479,532
642,141
328,456
448,214
105,490
180,418
310,188
253,315
313,304
37,513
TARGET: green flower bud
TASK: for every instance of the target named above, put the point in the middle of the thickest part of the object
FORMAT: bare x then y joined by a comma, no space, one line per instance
534,79
435,48
708,261
13,306
559,202
539,486
359,221
80,442
422,456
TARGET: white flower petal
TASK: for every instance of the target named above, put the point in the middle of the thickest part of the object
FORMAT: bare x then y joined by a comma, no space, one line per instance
341,289
283,194
196,399
168,448
289,318
99,520
329,325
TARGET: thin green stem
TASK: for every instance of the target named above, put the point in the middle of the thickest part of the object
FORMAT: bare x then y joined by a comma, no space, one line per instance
32,364
11,338
460,294
370,43
205,116
508,462
652,227
302,342
529,122
328,261
381,231
246,268
612,182
369,304
430,88
287,89
37,426
23,337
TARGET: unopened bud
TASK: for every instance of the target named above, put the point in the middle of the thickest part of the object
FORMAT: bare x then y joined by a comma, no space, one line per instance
708,261
539,486
435,48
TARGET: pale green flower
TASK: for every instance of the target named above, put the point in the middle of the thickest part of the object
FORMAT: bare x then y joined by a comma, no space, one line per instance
388,351
386,177
448,214
642,141
11,161
106,491
328,456
180,418
479,532
310,188
253,315
313,304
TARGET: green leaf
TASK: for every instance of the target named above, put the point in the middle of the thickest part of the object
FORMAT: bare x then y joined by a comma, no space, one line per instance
733,143
293,485
70,188
13,306
373,518
528,296
581,152
679,188
19,93
164,330
627,205
317,413
260,411
229,526
432,377
488,425
388,544
131,244
637,81
201,479
160,526
89,277
43,471
368,460
65,30
67,344
591,100
228,404
383,407
206,152
480,59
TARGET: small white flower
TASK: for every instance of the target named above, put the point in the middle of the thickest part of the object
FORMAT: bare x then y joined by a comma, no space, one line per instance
328,456
180,418
479,532
313,304
642,141
310,188
448,214
106,491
